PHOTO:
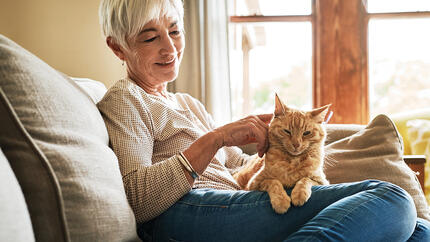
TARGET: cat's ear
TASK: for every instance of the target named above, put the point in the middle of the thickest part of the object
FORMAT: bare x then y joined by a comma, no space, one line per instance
279,106
319,114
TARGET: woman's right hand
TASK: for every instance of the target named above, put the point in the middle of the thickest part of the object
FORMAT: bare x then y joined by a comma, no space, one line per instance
252,129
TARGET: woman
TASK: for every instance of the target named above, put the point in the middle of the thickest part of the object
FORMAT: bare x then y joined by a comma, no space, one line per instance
177,165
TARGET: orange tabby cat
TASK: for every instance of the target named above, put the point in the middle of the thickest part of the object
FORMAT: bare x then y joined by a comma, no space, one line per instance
294,158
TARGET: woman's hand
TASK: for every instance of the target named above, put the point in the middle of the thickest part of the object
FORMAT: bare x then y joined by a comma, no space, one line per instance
252,129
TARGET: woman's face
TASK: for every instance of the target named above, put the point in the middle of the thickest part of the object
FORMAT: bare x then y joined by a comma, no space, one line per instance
155,54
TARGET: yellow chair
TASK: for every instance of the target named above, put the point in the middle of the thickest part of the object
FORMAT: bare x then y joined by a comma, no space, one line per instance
401,119
414,127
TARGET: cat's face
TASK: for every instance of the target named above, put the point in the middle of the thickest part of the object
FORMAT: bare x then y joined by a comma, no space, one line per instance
295,131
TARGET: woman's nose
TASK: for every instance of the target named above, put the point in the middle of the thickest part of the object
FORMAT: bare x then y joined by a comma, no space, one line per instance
167,46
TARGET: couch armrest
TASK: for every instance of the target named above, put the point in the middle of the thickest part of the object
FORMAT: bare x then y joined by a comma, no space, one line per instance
417,164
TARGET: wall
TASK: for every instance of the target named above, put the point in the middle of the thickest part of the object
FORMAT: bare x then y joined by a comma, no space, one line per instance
64,33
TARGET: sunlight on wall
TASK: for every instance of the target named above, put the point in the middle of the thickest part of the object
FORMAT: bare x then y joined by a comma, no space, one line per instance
64,34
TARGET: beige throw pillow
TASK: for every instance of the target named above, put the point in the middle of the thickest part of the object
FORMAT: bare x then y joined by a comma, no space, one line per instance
374,152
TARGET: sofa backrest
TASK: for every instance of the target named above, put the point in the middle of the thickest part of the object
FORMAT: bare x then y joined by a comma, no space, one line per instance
57,144
94,89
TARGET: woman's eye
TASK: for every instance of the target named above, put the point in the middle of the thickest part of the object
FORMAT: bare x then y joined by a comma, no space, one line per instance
306,133
176,32
287,131
149,40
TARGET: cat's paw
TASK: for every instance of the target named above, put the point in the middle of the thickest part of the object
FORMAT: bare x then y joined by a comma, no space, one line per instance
300,196
280,203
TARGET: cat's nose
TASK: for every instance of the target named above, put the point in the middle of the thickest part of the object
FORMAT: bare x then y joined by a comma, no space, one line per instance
296,145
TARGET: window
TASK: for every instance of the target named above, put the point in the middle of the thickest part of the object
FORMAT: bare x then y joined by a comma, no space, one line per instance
397,6
399,56
363,56
268,57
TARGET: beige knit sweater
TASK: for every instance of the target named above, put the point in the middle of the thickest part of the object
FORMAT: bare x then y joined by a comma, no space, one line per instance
147,132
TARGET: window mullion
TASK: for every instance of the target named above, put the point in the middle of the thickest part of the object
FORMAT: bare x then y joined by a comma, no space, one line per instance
340,75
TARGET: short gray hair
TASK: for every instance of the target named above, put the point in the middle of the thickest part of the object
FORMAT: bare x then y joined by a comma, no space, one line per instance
122,19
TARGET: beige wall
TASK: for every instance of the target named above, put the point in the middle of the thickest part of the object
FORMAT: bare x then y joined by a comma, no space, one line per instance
64,33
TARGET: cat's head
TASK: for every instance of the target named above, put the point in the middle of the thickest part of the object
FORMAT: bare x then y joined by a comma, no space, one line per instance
295,130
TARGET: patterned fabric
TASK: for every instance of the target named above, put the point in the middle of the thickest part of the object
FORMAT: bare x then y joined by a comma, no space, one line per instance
147,133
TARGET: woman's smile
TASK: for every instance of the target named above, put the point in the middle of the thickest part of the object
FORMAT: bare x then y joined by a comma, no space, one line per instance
167,64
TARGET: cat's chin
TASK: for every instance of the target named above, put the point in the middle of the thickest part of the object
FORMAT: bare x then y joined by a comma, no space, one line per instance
294,153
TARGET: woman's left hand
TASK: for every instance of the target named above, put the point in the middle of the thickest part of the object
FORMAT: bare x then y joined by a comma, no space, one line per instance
252,129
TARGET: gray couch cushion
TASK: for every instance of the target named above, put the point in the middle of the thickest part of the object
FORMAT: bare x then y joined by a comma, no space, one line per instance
15,223
67,129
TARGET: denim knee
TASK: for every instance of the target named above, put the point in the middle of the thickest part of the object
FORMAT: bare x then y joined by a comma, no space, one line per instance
396,193
398,198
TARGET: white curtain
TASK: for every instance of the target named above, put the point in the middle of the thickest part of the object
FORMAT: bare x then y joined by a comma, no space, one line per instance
204,72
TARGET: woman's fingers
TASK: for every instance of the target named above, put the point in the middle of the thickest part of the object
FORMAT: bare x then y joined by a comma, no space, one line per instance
252,129
259,130
262,137
264,120
256,131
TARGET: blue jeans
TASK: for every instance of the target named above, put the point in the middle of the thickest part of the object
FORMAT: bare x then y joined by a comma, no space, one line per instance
361,211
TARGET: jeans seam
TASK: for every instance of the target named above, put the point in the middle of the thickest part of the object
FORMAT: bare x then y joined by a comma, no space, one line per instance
223,206
204,205
310,238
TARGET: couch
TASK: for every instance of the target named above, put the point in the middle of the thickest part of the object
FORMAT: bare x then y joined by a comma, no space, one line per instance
60,181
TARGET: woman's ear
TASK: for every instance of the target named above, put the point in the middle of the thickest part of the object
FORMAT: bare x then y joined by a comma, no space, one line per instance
116,48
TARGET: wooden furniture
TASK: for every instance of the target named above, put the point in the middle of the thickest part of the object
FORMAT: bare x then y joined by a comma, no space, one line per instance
416,163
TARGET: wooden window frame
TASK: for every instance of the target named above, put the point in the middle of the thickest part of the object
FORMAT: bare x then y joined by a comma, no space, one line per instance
340,53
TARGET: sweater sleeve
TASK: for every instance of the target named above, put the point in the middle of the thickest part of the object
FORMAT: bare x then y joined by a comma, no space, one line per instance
151,188
234,156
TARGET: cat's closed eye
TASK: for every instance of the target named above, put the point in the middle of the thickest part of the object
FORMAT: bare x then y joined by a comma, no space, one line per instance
306,133
287,131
